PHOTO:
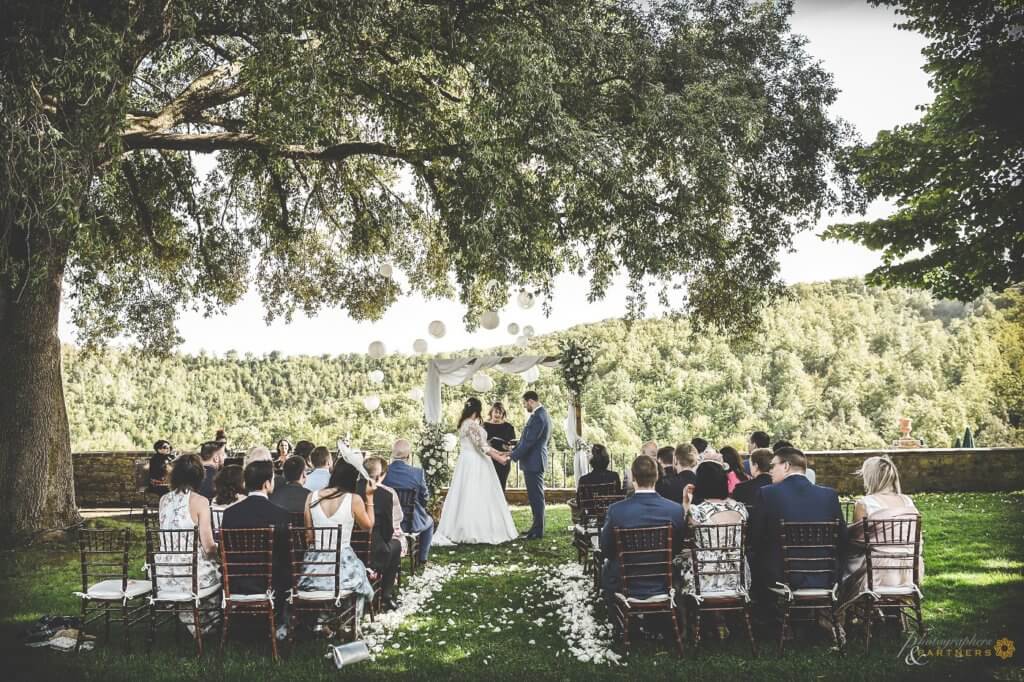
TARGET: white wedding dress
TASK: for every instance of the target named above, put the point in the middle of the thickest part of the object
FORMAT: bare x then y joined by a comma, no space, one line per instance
475,510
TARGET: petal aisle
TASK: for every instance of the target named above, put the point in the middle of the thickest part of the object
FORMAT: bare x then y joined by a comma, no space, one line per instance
416,591
587,639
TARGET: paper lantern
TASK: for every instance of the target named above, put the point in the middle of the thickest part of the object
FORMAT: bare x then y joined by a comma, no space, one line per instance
371,402
525,300
415,393
420,345
386,270
376,376
513,329
489,320
531,375
528,331
436,329
523,341
377,350
482,383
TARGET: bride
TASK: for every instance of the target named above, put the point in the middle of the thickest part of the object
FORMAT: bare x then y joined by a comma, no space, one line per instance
475,510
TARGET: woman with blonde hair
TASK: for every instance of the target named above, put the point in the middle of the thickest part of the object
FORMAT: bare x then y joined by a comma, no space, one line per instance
883,500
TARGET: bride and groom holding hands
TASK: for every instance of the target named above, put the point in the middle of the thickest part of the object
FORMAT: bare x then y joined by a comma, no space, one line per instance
475,510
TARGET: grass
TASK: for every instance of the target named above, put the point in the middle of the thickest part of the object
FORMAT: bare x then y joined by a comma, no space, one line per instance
974,554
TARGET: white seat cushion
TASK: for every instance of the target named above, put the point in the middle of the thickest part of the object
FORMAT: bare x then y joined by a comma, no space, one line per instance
249,598
719,594
804,592
895,590
653,599
110,590
183,595
320,595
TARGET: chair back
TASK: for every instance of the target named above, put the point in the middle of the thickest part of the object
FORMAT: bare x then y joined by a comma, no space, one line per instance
645,558
104,556
892,549
847,507
247,559
407,499
594,509
719,549
589,490
141,472
150,518
314,553
810,553
361,543
297,519
172,555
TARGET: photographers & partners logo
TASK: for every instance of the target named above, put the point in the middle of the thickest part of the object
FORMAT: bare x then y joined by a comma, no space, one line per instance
918,650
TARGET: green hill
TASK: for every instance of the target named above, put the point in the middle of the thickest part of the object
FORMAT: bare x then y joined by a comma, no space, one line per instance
833,366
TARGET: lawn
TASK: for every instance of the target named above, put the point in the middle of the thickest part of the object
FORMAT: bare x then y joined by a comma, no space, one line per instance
495,619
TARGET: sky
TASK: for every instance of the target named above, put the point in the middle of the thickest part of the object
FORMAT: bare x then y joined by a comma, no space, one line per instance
878,71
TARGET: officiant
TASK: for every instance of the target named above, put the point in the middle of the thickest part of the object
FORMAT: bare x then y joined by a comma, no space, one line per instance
500,435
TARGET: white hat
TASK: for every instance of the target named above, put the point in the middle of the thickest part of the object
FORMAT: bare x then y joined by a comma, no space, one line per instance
353,457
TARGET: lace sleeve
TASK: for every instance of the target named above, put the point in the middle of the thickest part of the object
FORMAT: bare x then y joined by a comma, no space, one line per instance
477,436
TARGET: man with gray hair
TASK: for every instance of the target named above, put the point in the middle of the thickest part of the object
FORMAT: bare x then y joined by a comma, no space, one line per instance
402,477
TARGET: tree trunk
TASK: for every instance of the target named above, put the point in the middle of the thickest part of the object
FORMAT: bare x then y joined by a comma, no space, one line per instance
36,483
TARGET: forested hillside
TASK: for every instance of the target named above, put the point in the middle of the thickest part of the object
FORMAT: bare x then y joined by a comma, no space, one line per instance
833,366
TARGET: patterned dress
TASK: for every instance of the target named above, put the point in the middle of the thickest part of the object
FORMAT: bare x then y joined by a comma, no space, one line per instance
703,514
175,515
351,571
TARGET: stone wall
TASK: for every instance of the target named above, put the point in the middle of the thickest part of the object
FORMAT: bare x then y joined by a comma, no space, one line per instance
107,478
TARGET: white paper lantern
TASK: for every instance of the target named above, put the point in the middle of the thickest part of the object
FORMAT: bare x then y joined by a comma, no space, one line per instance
377,350
523,341
482,383
528,331
513,329
489,320
386,270
531,375
436,329
376,376
371,402
420,345
415,393
525,300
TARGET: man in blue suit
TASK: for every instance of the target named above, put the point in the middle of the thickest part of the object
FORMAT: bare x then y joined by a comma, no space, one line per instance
532,455
791,497
402,476
644,508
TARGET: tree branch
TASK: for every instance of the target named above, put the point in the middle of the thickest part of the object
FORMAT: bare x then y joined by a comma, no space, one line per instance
200,94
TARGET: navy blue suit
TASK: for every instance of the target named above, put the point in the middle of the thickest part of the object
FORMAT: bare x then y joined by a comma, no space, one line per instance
794,498
402,476
638,511
532,455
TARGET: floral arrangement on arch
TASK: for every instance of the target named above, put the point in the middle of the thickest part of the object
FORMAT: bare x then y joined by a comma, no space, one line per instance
577,364
434,448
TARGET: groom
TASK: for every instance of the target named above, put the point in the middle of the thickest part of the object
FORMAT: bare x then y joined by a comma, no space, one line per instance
532,455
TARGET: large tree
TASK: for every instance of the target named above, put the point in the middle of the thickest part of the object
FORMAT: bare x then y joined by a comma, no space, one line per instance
161,155
956,174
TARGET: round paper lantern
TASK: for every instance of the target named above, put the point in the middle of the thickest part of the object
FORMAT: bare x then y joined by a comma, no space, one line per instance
376,376
523,341
377,350
371,402
386,270
489,320
420,345
513,329
482,382
525,300
415,393
436,329
531,375
528,331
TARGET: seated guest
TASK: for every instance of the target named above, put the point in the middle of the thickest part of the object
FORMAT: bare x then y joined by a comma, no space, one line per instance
760,470
736,474
158,467
700,444
333,506
650,448
712,487
292,495
183,508
402,476
792,498
599,473
686,461
670,485
304,449
317,479
756,441
212,455
257,511
809,472
385,548
645,508
397,514
258,453
229,486
883,500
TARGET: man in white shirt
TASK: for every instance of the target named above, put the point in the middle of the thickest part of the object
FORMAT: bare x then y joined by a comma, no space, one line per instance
321,473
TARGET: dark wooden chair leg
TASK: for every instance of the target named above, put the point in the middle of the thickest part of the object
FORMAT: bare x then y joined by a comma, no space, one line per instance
782,630
273,634
198,627
224,628
679,634
869,617
750,630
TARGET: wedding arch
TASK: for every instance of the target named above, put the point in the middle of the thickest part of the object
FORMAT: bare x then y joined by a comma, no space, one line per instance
456,371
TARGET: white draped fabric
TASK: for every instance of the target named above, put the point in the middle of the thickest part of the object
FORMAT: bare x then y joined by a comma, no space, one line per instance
580,460
461,370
